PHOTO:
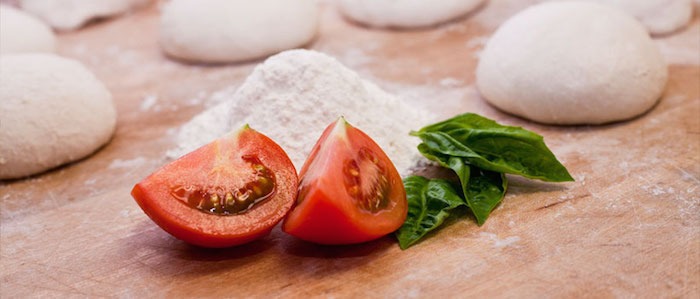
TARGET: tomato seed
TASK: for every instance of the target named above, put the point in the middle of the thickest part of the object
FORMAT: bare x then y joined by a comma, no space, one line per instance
242,196
221,200
229,199
371,196
257,191
354,191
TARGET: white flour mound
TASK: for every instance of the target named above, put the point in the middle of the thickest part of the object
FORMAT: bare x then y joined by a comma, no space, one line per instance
293,96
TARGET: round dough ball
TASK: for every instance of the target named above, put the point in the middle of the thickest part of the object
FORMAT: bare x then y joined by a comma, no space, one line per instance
572,63
405,13
218,31
52,111
659,16
20,32
73,14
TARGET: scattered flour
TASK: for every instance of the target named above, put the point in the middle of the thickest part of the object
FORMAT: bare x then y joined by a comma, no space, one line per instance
500,243
450,82
478,42
119,163
506,242
357,58
657,190
148,102
476,45
294,95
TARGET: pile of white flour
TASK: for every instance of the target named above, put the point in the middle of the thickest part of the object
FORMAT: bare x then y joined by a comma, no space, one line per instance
293,96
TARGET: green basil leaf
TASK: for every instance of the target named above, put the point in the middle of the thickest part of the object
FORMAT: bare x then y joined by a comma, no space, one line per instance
491,146
429,204
483,190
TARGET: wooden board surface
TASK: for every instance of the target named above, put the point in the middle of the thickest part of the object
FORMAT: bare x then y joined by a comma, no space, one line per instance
628,226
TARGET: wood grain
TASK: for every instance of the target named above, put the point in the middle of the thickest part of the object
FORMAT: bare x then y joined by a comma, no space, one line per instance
628,227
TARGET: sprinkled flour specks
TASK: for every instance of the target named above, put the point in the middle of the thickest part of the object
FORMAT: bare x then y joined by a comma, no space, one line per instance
294,95
148,102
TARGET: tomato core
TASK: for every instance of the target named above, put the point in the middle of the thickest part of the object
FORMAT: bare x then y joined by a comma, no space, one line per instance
225,200
366,182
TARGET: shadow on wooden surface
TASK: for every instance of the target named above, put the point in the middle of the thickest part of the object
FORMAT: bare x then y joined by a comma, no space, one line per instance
302,248
174,252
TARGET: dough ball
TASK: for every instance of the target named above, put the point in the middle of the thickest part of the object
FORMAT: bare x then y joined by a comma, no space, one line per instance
20,32
73,14
659,16
52,111
405,13
572,63
217,31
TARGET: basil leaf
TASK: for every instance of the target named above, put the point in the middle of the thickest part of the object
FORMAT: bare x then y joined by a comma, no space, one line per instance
429,204
491,146
483,190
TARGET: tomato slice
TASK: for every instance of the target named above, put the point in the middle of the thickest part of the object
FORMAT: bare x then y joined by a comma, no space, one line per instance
229,192
349,191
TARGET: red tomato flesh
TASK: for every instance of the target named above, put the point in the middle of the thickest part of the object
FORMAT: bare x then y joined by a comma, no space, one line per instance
349,191
229,192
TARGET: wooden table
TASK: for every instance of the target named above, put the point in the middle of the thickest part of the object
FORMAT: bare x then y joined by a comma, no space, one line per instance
628,226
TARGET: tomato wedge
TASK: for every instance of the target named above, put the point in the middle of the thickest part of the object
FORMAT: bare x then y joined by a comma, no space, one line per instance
229,192
349,191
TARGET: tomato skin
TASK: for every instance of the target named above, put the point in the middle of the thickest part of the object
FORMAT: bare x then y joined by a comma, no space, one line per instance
219,164
325,212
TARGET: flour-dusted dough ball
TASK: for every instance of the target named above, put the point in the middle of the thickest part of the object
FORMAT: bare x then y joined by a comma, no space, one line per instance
572,63
73,14
20,32
217,31
659,16
405,13
52,111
